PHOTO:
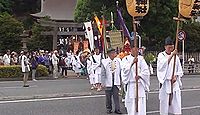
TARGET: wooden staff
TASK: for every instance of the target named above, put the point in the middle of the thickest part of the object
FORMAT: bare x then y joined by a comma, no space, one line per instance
185,8
136,64
132,10
174,64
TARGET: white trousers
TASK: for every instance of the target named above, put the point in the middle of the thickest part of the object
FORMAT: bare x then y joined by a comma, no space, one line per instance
174,108
130,106
97,78
92,79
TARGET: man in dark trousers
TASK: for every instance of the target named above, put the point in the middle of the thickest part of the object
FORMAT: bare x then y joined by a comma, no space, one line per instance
111,80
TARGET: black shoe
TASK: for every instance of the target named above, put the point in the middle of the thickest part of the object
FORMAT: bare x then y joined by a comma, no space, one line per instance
109,111
118,112
26,86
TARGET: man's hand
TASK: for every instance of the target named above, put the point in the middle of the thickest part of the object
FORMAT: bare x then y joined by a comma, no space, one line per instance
173,80
174,52
137,78
135,60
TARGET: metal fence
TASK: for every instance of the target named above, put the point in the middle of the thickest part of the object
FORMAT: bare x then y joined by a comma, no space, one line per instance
186,68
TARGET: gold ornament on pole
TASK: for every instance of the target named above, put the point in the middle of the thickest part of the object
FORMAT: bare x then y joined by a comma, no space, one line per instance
137,8
185,7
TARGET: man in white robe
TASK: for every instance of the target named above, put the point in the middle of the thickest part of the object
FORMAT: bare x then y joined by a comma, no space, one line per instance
110,72
129,78
96,63
91,73
164,73
76,64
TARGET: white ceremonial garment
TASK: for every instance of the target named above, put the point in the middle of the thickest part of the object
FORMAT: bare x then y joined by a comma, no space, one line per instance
76,64
90,71
128,78
96,67
164,75
108,70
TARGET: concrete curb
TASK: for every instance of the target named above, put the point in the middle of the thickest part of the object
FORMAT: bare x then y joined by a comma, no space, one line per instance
45,96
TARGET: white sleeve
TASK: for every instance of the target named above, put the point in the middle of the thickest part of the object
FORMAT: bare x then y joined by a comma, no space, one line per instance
126,70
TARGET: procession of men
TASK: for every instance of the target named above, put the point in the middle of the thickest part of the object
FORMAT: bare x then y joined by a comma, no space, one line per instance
101,63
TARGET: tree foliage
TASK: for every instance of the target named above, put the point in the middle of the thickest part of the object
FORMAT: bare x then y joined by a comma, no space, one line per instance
38,41
10,30
193,36
5,6
159,23
156,25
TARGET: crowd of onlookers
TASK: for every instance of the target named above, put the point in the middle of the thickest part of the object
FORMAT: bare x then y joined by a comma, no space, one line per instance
57,61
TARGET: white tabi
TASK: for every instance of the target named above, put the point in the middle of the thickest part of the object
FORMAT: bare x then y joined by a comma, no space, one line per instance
76,64
96,65
128,78
107,75
90,71
164,74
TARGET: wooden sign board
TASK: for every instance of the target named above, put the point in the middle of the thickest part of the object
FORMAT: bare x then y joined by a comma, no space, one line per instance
116,39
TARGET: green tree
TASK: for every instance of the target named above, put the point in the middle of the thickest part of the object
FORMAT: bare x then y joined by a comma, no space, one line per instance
5,6
193,36
155,26
159,23
38,41
10,30
86,9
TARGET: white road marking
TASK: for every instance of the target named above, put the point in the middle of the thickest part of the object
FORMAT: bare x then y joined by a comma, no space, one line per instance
184,108
51,99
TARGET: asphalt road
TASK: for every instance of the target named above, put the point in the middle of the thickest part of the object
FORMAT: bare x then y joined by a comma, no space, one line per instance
73,97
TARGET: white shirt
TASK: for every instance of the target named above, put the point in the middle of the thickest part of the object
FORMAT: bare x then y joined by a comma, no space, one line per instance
55,59
6,59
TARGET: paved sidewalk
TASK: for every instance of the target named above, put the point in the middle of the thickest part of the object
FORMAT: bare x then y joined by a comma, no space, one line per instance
13,90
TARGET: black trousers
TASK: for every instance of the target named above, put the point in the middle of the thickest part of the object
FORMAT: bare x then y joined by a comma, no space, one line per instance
113,91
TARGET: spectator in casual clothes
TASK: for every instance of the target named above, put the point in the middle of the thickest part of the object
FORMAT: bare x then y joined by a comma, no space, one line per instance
20,57
63,63
55,60
25,67
14,58
6,58
46,59
41,58
34,64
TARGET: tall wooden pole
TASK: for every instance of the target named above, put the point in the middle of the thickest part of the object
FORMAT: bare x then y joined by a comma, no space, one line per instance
104,37
174,63
136,64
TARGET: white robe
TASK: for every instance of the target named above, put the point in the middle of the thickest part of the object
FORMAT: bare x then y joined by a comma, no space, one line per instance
76,64
128,78
106,72
90,71
97,67
164,74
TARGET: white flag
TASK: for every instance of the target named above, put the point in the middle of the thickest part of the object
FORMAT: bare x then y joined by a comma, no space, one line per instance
89,32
